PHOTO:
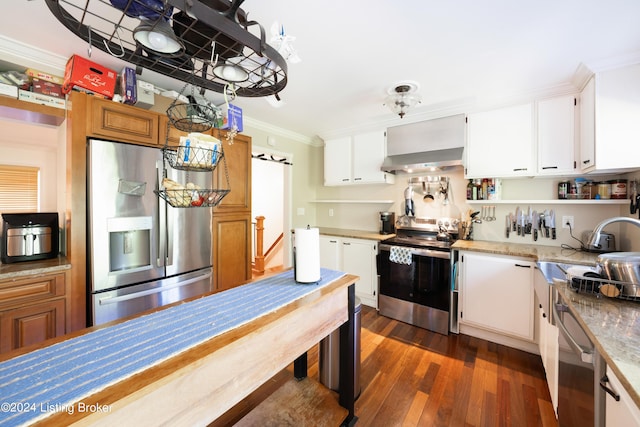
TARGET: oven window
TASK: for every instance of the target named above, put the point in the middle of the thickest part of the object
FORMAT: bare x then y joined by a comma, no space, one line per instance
426,281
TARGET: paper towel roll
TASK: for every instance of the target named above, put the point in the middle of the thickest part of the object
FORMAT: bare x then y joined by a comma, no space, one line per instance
306,255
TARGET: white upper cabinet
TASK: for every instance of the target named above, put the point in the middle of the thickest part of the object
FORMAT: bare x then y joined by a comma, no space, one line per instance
500,143
556,136
356,160
610,107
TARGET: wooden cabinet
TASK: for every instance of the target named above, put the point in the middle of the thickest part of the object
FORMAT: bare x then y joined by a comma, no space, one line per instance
623,412
123,122
356,160
610,106
169,134
497,294
500,143
353,256
32,309
238,158
231,250
556,136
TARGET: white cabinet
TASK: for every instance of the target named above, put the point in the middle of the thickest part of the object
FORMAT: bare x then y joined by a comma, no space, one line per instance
353,256
556,136
356,160
497,294
610,107
623,412
500,143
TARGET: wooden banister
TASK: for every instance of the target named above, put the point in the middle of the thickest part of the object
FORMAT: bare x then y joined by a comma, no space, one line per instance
259,258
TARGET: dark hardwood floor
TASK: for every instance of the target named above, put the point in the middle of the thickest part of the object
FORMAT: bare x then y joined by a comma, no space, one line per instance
414,377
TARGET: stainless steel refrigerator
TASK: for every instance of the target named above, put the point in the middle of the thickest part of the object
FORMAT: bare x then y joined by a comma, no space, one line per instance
143,253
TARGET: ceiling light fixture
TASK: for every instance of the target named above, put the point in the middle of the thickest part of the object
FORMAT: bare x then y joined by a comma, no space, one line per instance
158,38
232,73
402,97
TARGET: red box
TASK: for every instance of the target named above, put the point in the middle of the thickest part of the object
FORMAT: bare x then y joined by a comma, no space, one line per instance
87,74
46,88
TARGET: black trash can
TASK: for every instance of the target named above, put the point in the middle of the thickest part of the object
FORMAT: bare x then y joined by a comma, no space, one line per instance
329,354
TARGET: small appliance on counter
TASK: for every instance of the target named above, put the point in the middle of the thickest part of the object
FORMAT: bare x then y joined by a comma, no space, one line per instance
387,222
606,242
29,236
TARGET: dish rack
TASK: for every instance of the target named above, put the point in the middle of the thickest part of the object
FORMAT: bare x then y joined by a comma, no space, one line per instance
594,284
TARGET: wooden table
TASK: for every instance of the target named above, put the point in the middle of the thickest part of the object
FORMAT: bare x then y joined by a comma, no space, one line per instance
198,385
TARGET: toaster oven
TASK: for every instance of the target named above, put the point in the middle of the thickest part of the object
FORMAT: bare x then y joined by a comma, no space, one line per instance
29,236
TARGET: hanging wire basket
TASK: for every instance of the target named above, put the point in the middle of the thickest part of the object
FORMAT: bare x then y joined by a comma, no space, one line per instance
195,159
192,116
184,198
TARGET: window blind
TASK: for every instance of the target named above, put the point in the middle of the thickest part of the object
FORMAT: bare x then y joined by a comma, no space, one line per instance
19,188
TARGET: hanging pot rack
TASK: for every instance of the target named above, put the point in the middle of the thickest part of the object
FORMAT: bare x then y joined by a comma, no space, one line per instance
210,30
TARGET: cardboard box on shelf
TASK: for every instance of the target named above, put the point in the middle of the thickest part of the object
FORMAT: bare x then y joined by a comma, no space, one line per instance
8,90
163,102
89,75
127,86
45,87
37,74
146,95
38,98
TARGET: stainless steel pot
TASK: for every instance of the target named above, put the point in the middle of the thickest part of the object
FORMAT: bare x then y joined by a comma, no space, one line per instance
621,266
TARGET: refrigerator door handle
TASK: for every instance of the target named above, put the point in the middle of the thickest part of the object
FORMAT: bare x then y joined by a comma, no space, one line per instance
113,300
162,219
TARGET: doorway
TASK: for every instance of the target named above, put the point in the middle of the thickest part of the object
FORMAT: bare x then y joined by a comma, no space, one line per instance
271,198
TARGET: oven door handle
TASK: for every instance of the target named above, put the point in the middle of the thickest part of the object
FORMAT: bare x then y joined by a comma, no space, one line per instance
420,251
586,355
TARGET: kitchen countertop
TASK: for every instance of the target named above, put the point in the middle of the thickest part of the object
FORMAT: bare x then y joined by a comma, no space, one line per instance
354,234
29,268
612,324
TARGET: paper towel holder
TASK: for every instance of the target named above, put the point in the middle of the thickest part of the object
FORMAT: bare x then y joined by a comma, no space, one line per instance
295,262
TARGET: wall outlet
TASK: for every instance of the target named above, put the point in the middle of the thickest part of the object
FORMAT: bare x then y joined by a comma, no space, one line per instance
567,219
300,211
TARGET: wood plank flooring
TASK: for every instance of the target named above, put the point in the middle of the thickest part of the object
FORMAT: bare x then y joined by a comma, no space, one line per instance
414,377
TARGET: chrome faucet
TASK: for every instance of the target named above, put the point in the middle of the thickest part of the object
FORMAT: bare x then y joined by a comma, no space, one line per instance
595,236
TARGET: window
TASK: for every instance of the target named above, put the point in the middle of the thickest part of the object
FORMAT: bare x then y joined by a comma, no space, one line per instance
19,188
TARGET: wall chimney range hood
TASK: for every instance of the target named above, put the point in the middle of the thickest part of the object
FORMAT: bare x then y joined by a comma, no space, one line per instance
430,145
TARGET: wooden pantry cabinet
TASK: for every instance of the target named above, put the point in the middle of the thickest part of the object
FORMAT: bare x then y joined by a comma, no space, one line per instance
32,309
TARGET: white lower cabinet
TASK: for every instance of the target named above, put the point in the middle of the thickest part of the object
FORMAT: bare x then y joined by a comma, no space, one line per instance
353,256
547,335
623,412
497,294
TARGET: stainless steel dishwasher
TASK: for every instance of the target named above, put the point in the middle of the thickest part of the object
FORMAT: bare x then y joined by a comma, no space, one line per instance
581,403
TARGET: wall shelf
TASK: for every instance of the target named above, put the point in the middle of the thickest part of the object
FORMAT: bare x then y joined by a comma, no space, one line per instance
353,201
30,112
551,202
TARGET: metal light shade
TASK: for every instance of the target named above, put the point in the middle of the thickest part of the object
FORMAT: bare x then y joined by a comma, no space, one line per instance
232,73
158,38
401,100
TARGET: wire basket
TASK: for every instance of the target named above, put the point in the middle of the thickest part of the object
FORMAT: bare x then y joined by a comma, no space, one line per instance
592,283
193,198
195,159
192,117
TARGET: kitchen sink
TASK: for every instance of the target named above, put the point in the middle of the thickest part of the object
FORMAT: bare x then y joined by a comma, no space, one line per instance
553,271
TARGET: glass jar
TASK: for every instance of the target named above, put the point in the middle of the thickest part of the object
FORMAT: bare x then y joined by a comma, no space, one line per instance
604,190
618,188
563,189
589,190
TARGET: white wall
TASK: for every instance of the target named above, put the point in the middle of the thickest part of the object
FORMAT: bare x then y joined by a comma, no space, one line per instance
267,199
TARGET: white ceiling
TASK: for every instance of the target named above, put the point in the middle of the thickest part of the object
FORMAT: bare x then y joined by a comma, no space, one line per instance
464,54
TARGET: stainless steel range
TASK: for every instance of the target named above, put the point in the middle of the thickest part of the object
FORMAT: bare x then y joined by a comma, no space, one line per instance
415,272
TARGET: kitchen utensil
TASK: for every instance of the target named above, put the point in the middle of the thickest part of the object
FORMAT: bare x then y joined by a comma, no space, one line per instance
508,225
518,221
493,213
609,290
620,266
552,223
408,201
444,190
428,197
534,225
443,236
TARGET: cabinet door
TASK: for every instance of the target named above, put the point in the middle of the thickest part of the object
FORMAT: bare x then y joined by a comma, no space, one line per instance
123,122
337,161
231,250
31,324
369,151
617,110
237,157
500,143
623,412
497,294
359,258
169,135
588,126
330,256
556,136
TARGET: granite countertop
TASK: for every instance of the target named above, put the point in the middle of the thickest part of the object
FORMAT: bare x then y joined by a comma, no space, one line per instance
29,268
612,324
355,234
